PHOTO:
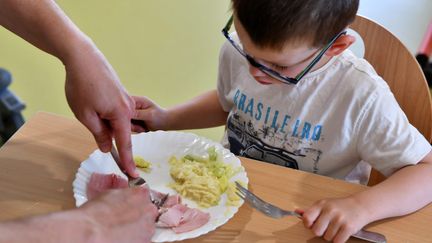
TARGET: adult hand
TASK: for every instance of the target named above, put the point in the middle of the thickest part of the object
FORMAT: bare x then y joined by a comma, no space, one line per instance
122,215
99,101
93,89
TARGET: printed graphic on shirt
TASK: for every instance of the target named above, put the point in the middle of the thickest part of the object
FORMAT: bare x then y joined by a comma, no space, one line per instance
271,137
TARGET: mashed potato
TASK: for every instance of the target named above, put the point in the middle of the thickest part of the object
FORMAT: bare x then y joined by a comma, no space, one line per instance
203,179
233,198
142,164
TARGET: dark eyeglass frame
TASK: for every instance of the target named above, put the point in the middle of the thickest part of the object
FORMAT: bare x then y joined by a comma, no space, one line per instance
269,71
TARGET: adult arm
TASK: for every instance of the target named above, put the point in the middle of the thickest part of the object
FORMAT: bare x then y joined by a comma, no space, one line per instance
124,215
93,89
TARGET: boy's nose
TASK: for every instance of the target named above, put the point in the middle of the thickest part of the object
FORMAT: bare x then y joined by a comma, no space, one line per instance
256,72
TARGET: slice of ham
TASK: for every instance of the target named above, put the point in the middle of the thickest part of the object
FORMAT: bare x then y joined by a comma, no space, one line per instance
171,217
101,182
172,200
180,218
175,215
192,219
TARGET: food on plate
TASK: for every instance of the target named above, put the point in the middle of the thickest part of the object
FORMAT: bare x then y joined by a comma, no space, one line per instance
142,164
180,218
172,214
203,179
232,198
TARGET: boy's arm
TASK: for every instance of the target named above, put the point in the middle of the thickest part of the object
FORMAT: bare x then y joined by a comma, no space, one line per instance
404,192
201,112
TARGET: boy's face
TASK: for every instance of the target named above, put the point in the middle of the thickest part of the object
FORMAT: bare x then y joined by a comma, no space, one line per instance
290,61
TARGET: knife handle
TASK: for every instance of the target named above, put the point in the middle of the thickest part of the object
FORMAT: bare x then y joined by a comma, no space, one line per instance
140,123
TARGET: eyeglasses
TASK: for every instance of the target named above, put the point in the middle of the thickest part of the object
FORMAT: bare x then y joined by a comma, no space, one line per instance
269,71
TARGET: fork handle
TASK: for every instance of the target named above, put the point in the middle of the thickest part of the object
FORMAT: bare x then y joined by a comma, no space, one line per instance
370,236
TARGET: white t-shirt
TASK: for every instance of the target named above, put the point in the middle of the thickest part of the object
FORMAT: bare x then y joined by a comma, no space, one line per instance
334,118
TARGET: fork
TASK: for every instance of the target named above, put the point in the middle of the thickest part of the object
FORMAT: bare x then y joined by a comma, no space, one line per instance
139,181
276,212
132,182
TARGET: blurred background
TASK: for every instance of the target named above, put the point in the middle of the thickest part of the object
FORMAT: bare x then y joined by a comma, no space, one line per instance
166,50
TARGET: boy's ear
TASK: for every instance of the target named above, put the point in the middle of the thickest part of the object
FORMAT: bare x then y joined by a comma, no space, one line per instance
340,45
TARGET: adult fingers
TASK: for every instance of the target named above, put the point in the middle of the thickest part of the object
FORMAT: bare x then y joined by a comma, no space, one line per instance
122,135
149,209
100,130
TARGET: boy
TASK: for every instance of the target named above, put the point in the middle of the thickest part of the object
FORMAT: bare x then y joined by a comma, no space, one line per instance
291,93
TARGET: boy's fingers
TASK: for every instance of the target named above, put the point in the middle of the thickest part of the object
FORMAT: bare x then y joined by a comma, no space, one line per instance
320,225
138,129
342,235
309,216
141,102
141,115
332,230
139,123
299,211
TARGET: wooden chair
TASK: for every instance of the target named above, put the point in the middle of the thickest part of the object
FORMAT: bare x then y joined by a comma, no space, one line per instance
399,68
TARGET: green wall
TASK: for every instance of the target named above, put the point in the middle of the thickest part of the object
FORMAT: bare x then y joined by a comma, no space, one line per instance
164,49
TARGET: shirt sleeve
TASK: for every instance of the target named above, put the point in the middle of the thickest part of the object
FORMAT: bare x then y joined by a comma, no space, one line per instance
386,139
224,80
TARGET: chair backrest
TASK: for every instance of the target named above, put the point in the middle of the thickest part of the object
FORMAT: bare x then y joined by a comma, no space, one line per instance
399,68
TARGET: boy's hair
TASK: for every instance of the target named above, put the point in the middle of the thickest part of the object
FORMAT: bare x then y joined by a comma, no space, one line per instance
273,23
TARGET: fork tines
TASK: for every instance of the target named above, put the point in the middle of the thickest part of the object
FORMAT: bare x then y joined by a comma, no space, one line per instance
134,182
253,200
247,195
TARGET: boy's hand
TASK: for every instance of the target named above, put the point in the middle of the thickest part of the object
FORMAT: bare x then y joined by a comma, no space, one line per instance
154,116
335,219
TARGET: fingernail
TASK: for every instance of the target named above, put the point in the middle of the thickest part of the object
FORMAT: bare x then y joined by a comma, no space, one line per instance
104,147
135,173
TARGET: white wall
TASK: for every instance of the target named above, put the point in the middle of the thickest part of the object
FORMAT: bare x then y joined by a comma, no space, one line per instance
407,19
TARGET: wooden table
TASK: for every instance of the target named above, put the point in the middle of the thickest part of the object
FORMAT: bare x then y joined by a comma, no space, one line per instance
38,165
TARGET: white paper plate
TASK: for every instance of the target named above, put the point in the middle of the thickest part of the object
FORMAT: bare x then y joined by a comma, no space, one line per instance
157,147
